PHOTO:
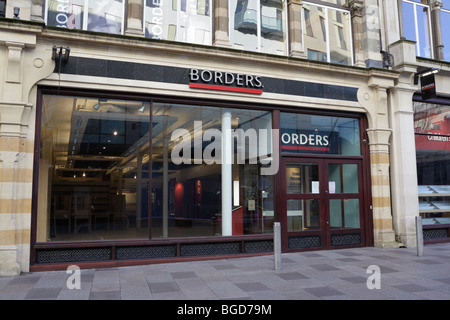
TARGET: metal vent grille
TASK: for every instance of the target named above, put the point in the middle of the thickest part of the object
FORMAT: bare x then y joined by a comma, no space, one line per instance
304,242
258,246
73,255
345,239
208,249
435,233
147,252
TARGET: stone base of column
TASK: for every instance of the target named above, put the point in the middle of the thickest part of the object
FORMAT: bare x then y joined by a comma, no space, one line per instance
385,240
8,261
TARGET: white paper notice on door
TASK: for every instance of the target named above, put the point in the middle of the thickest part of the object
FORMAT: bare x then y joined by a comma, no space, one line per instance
331,186
314,186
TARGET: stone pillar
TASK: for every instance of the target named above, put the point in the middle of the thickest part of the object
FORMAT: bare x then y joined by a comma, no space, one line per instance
405,203
37,10
135,18
366,33
221,38
375,99
23,64
436,29
295,29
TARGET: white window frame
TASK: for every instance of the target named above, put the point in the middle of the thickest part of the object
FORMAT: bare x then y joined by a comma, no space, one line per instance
327,31
416,27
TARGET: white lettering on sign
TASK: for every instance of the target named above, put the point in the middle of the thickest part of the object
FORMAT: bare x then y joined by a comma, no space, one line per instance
227,78
305,139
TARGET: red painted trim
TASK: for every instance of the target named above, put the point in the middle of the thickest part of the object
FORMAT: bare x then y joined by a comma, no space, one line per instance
305,148
224,88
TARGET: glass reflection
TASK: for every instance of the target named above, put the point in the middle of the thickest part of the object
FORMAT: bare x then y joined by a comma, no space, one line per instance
304,133
344,213
445,25
420,31
327,34
179,20
93,173
101,16
303,215
187,180
258,25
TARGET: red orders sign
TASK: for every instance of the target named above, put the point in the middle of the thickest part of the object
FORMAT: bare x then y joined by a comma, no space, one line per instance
225,81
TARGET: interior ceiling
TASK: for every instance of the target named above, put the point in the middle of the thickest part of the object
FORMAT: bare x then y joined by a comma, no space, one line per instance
93,137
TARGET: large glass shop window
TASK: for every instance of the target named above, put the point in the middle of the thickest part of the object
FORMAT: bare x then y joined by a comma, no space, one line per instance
99,179
432,133
304,133
192,195
93,169
93,15
179,20
258,25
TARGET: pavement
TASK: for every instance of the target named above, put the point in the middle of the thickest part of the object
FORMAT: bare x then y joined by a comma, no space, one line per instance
345,274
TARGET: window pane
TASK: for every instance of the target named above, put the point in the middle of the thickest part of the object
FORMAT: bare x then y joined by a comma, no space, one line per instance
243,21
409,27
258,25
433,161
423,27
314,32
303,215
105,16
187,180
273,27
350,218
445,25
350,178
420,32
302,178
340,44
351,213
190,23
69,16
303,133
93,169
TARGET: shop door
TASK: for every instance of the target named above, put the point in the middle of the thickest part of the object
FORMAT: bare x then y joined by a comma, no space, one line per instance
323,204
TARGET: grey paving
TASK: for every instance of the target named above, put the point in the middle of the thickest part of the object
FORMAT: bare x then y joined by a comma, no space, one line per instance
320,275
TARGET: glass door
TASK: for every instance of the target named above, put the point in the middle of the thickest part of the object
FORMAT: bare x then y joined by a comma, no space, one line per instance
344,203
323,203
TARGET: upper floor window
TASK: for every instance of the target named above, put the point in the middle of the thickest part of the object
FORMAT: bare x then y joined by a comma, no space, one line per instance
179,20
445,26
327,33
93,15
258,25
417,26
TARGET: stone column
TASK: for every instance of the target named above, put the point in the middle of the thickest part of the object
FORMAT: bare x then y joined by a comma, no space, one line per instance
135,18
366,33
221,37
379,133
23,64
37,10
405,203
295,29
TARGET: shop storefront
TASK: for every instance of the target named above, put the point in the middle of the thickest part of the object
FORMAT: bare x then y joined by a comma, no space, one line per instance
124,178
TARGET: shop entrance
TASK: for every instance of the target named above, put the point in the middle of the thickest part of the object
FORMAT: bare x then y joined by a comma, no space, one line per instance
324,204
